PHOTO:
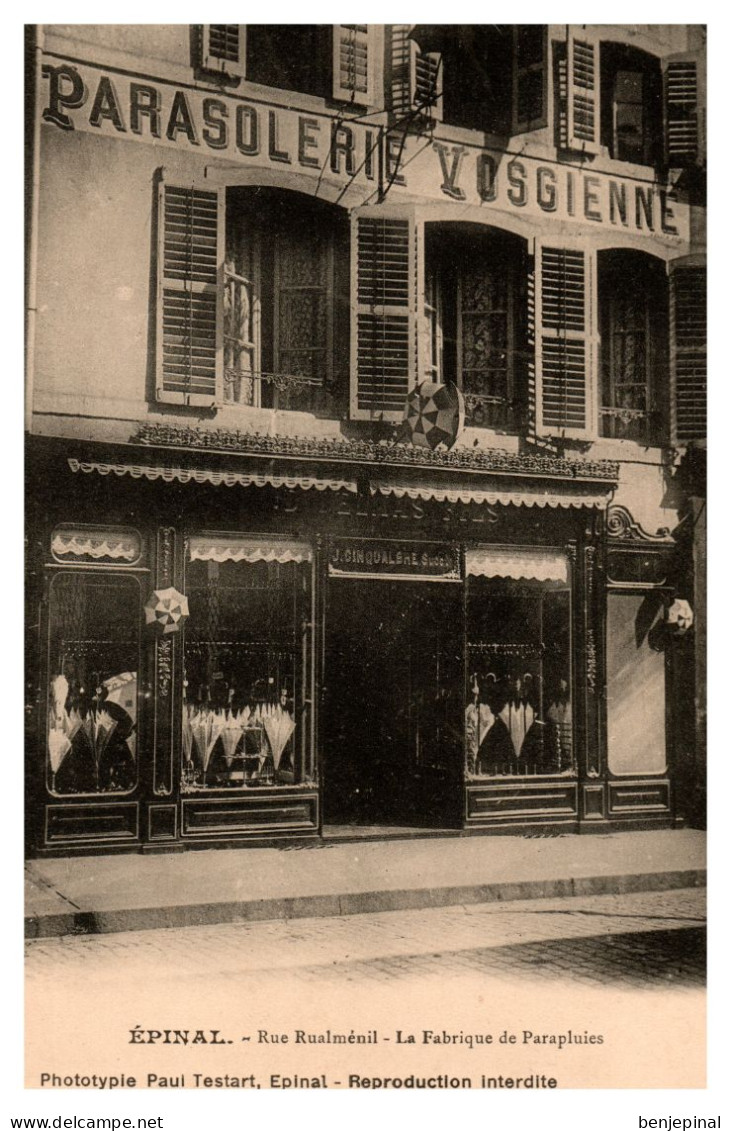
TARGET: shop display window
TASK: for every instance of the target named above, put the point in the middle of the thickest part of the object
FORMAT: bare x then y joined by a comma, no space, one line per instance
94,646
635,684
247,674
518,718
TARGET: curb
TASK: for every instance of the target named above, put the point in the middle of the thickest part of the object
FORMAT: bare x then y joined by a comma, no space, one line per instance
350,903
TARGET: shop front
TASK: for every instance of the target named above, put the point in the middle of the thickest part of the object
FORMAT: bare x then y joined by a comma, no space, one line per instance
244,652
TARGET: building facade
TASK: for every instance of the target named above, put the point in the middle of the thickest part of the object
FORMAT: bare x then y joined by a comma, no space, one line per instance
263,601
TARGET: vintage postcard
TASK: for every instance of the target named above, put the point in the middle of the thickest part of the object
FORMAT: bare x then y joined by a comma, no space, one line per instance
366,544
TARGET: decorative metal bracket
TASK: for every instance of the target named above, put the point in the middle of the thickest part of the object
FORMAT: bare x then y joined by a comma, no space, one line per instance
621,525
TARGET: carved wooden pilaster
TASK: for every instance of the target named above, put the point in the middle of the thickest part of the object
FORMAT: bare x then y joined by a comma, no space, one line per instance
164,666
593,692
319,580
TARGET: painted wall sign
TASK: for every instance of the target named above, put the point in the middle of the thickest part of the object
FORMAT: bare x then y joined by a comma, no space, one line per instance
392,561
81,97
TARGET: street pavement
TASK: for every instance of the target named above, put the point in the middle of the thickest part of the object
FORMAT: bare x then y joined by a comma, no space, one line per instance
652,940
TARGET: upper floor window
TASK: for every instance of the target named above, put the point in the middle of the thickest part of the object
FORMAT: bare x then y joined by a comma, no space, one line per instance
261,293
276,333
609,98
633,305
475,309
336,61
289,56
494,76
283,328
631,104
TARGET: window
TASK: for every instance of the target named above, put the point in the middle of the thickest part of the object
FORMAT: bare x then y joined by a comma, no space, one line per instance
475,312
416,79
635,685
518,719
530,54
494,76
328,62
631,104
248,664
285,333
94,649
633,314
290,57
276,333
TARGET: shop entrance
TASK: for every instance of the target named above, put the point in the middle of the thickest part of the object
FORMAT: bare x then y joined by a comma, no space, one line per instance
393,678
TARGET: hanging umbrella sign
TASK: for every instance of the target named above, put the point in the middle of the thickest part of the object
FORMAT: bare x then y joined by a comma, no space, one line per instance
433,415
167,609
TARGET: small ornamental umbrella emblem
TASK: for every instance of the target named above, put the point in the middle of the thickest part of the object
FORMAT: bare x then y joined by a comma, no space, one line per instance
167,608
433,415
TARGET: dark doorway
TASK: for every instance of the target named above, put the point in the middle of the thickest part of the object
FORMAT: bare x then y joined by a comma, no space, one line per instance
393,679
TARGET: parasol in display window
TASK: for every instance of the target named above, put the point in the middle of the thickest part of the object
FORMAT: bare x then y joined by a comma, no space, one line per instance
279,727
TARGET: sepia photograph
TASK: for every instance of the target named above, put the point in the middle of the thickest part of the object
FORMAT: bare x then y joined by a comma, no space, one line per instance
365,561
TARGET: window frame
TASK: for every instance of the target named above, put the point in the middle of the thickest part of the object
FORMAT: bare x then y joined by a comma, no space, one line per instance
279,274
527,125
304,760
566,587
269,243
656,347
509,312
57,571
617,142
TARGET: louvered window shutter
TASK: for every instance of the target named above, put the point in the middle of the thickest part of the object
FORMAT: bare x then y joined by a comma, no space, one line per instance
223,48
384,324
353,64
583,94
564,344
189,308
416,79
688,353
681,112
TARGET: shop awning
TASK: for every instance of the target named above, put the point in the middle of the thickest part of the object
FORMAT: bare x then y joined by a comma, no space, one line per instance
518,565
574,495
214,476
221,549
90,543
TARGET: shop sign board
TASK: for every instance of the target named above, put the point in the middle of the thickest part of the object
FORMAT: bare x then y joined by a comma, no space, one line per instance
389,560
345,152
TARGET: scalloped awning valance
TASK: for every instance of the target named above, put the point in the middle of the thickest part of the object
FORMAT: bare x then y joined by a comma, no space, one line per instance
518,565
214,476
219,548
518,497
100,543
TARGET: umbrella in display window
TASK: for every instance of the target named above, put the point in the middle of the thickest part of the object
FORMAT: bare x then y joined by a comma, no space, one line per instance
279,727
166,608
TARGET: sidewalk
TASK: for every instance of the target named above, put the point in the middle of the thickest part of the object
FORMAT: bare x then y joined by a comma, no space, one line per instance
100,894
